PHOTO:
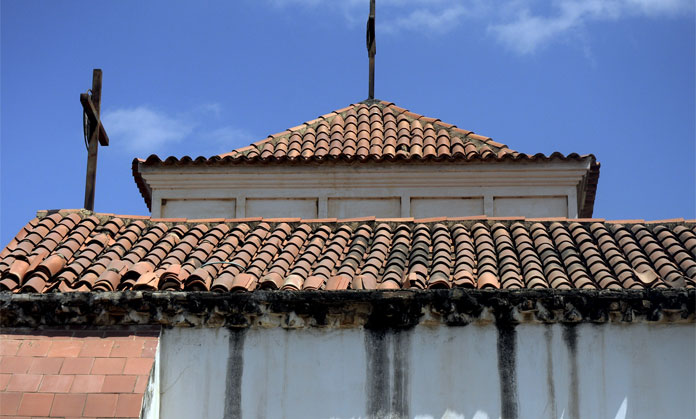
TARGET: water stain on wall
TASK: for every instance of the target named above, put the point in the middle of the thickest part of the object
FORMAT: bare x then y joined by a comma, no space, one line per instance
377,386
507,370
570,336
387,384
235,369
401,342
550,386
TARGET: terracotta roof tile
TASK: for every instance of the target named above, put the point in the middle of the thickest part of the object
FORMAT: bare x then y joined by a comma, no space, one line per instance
103,253
372,131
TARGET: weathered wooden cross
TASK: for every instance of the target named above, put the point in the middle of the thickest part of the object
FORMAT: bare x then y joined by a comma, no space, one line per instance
95,133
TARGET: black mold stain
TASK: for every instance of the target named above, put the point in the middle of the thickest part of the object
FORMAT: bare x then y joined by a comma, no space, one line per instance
396,309
550,387
570,336
233,380
507,345
387,386
401,365
377,385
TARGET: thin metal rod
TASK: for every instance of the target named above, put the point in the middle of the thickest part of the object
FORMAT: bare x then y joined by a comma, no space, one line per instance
371,48
371,93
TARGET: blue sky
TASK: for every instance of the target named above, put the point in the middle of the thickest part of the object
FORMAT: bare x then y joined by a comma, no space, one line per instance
614,78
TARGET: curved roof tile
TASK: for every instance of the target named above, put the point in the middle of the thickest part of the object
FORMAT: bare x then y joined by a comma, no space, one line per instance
104,252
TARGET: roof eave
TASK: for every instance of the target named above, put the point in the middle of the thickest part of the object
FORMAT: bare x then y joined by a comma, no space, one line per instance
143,186
590,190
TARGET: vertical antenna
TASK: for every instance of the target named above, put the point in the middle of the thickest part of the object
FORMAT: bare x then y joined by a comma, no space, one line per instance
371,48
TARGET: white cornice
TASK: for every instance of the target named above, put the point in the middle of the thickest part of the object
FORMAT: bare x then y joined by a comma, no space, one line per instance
387,176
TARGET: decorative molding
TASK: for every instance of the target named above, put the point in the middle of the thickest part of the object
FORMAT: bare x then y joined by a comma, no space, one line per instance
541,179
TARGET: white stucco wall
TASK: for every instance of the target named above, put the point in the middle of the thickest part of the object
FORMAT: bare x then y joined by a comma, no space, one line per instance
444,207
531,206
212,208
280,207
531,371
541,189
359,207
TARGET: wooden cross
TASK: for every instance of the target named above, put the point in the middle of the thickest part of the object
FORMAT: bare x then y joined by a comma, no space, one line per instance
96,135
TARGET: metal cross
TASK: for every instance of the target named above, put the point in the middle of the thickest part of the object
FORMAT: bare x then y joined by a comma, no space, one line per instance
94,133
371,48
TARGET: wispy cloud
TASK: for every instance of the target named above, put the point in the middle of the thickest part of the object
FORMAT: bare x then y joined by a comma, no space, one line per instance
439,20
144,130
398,15
522,26
528,31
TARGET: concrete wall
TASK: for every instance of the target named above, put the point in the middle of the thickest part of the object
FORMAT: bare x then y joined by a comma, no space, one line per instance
543,189
529,371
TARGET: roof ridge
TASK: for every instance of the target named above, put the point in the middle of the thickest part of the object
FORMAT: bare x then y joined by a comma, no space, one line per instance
83,213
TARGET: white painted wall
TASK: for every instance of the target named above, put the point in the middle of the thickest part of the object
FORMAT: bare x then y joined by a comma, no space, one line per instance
611,371
530,206
445,207
541,189
280,207
211,208
359,207
150,408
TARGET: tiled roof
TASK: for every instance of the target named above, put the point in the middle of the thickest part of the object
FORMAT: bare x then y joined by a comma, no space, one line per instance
74,372
79,251
378,130
373,131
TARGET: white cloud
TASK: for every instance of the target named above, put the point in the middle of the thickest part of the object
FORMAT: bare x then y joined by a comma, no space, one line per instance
143,129
393,16
442,20
529,31
523,26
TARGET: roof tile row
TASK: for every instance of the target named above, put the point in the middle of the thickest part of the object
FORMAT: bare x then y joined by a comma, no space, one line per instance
79,251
